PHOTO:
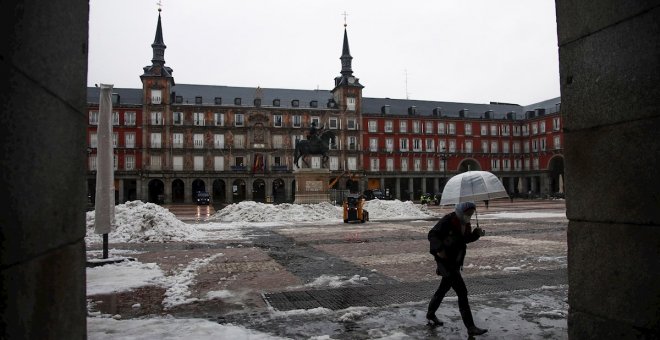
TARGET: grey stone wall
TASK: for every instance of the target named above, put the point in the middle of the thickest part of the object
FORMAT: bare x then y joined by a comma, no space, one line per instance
609,54
43,71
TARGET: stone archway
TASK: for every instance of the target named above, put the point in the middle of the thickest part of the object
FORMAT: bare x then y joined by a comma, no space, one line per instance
279,192
219,191
259,191
156,191
238,191
178,191
556,175
353,186
469,165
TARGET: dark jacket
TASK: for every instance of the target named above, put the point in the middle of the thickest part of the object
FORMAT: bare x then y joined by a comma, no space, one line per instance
446,235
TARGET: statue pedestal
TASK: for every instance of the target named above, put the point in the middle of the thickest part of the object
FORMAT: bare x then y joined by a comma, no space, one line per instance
312,186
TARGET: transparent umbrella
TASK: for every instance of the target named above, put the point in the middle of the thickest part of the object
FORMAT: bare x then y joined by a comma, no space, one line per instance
472,186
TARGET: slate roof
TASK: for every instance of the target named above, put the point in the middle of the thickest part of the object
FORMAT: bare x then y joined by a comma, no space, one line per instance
188,92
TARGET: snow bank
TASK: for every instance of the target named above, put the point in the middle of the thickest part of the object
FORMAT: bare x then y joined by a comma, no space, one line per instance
250,211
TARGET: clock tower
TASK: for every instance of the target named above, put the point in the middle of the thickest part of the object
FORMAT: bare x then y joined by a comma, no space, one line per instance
347,92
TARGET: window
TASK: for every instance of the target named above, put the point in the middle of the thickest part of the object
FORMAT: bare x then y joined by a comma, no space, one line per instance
542,143
93,118
388,126
429,164
389,144
177,140
237,101
536,163
198,163
177,163
238,161
542,127
198,141
334,163
276,102
557,143
525,130
484,146
404,163
430,145
219,141
417,164
295,103
129,140
93,140
352,163
516,130
468,129
527,164
535,128
352,143
468,146
516,147
199,119
278,141
115,118
555,124
493,147
129,118
297,121
277,121
403,144
506,165
350,103
239,141
217,100
316,120
505,129
352,125
238,119
526,147
484,129
428,127
156,96
155,140
403,126
92,162
505,147
115,139
494,164
129,162
219,119
389,164
441,128
177,118
442,145
535,145
518,165
154,162
417,144
115,162
416,126
493,130
373,126
375,164
452,128
219,163
156,118
334,123
373,144
443,164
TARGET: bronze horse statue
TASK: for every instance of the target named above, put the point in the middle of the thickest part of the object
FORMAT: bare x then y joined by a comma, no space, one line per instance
318,146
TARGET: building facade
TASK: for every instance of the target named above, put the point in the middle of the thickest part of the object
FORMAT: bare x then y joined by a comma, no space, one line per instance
237,143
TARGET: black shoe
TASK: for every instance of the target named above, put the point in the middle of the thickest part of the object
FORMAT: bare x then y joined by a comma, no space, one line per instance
474,330
433,320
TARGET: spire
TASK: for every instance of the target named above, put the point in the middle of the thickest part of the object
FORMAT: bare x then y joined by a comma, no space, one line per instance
158,46
346,58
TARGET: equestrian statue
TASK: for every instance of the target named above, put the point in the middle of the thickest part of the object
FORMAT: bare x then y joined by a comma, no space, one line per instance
315,144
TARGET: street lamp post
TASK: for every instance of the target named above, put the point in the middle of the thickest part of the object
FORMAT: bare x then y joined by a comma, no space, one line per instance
443,157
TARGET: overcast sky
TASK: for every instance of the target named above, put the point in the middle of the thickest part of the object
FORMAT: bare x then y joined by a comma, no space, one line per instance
473,51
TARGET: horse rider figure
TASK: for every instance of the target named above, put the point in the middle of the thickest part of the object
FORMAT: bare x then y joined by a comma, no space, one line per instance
313,135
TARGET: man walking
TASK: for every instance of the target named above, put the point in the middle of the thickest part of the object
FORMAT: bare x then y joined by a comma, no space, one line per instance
448,244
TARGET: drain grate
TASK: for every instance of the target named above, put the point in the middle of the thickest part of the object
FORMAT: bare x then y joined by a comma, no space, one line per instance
387,294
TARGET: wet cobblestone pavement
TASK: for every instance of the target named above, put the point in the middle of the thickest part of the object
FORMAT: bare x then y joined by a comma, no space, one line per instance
272,274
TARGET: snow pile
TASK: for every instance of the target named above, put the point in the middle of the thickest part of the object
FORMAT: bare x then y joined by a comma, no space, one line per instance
395,209
139,222
122,276
250,211
336,281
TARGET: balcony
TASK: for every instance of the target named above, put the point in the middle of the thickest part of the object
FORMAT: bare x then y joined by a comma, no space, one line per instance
238,168
279,168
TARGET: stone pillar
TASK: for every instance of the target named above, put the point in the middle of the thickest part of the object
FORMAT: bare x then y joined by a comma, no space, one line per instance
609,56
411,189
167,190
436,185
229,191
187,192
382,184
120,183
43,65
398,188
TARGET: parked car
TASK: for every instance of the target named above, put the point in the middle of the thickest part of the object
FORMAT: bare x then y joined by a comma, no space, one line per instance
375,194
202,198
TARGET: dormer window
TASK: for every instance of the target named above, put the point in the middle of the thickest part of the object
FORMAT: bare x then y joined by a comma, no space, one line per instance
237,101
198,100
257,102
156,96
217,100
178,99
295,103
276,102
314,103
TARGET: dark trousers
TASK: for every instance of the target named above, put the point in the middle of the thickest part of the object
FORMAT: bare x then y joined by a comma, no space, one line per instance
454,281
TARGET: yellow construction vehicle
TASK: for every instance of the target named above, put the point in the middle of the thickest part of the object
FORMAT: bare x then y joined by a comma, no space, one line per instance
354,209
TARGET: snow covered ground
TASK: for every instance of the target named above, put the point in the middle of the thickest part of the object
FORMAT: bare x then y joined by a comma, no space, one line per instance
138,222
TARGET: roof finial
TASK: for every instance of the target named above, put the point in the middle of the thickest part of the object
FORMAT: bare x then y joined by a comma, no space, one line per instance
345,15
160,5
